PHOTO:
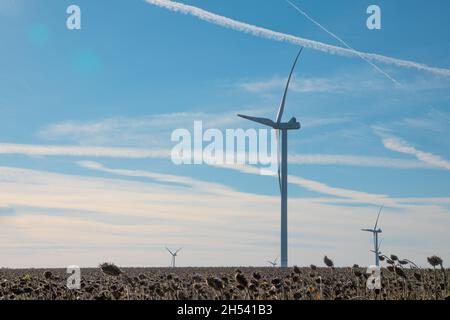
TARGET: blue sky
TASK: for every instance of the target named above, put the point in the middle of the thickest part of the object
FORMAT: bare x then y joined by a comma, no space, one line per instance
135,72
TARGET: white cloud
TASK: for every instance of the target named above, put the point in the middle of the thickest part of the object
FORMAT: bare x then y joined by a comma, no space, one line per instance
344,196
273,35
399,145
182,181
308,85
353,82
152,130
356,160
311,185
81,151
141,153
215,224
321,188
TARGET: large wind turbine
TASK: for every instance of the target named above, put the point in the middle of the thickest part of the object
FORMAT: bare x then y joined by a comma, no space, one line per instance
283,167
173,254
376,245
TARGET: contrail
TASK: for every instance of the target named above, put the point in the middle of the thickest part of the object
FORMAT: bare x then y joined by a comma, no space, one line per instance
278,36
342,41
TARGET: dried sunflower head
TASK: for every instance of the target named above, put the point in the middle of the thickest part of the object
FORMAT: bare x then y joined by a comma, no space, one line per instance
394,257
328,262
241,279
110,269
256,275
48,274
434,261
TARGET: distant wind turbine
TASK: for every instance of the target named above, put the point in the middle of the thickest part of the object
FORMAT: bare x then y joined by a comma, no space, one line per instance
274,263
173,254
379,246
283,168
375,233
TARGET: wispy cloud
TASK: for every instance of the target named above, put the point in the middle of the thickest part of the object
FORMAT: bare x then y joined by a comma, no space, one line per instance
152,130
205,218
322,188
396,144
156,129
80,151
311,185
278,36
434,121
295,159
173,179
197,214
355,160
399,145
344,83
341,84
119,197
141,153
171,120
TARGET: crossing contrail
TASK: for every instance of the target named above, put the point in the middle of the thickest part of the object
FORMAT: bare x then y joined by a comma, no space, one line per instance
342,41
278,36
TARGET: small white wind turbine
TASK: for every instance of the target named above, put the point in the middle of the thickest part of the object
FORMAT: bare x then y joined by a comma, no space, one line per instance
173,254
379,246
375,233
273,263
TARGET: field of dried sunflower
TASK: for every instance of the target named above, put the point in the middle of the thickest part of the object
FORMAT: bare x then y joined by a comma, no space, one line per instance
400,280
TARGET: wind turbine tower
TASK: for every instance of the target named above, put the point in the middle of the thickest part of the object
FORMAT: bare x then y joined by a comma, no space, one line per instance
282,127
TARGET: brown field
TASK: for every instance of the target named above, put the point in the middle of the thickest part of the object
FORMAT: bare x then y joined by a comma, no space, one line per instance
224,283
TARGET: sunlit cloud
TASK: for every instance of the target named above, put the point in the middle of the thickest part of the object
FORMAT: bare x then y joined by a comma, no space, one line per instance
401,146
80,151
203,217
141,153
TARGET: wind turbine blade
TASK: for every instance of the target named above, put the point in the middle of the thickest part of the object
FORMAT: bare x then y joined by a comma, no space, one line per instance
283,101
264,121
367,230
379,244
178,251
169,251
376,223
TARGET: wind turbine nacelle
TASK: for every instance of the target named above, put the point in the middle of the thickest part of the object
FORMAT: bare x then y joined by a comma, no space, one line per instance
293,124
